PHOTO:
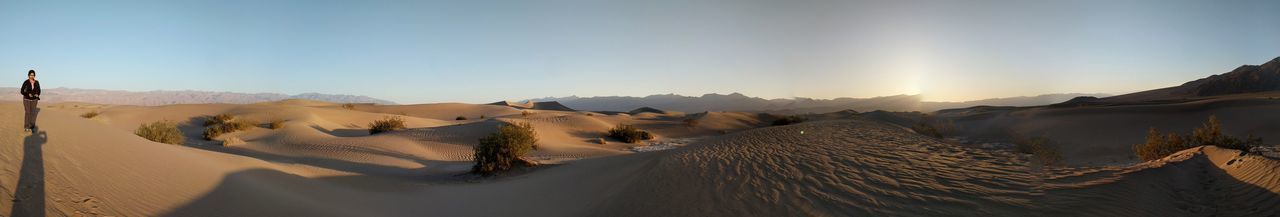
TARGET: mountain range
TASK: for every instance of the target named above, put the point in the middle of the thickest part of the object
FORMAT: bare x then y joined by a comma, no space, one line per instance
740,102
166,97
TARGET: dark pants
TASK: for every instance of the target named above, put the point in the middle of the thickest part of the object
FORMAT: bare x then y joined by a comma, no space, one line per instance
30,107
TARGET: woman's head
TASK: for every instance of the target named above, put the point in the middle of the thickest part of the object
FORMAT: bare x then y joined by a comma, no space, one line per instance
31,73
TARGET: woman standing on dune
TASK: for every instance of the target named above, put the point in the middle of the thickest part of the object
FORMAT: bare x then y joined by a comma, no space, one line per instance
30,95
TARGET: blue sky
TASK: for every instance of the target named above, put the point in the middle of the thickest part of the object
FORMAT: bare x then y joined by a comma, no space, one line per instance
489,50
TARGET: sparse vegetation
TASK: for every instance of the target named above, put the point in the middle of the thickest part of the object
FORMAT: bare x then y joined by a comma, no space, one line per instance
629,133
232,141
503,149
591,114
481,116
217,119
525,113
387,124
788,120
1210,133
460,118
89,114
161,131
220,124
691,122
601,141
935,128
349,106
1041,149
276,124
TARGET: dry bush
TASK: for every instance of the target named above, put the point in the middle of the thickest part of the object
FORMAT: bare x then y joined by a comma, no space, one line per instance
1042,149
460,118
788,120
525,113
217,119
1210,133
502,150
628,133
275,124
223,124
349,106
161,131
387,124
89,114
935,128
691,122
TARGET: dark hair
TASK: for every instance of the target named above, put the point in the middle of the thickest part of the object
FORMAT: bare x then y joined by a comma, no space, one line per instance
31,72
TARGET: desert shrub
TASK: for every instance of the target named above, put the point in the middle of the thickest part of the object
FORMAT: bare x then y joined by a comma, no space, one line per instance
212,131
161,131
387,124
935,128
1210,133
691,122
460,118
629,133
217,119
525,113
591,114
1157,146
481,116
232,141
89,114
601,141
501,150
788,120
275,124
1041,149
349,106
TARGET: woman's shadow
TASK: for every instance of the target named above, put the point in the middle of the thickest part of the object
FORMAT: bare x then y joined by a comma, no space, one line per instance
28,200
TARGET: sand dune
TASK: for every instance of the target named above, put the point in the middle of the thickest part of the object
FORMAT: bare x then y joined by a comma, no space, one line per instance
320,164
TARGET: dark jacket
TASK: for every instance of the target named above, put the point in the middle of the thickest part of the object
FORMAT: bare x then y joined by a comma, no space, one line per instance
30,92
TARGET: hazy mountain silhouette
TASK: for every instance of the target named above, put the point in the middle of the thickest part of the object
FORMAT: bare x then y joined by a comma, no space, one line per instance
740,102
165,97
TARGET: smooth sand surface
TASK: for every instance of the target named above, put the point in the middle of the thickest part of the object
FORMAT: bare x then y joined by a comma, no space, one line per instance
322,163
1103,135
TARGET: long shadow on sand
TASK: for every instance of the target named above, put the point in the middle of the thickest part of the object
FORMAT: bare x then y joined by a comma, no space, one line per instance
29,197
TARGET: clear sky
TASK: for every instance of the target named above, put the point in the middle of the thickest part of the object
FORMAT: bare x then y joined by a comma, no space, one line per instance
487,50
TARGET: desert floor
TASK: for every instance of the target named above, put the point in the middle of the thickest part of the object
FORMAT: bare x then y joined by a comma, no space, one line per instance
324,163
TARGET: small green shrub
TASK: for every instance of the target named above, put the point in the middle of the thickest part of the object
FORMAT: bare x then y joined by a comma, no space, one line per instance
161,131
501,150
460,118
89,114
629,133
387,124
788,120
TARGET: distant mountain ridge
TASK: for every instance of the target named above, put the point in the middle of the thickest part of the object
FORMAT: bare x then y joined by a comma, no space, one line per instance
1243,79
168,97
740,102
